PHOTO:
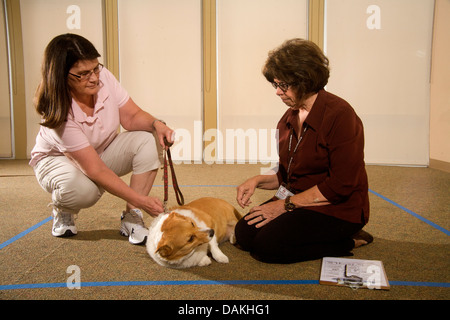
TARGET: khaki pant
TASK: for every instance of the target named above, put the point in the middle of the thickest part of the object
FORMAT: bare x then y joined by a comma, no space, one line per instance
132,151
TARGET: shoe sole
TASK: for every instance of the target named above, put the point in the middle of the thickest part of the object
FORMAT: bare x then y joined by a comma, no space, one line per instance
125,234
66,234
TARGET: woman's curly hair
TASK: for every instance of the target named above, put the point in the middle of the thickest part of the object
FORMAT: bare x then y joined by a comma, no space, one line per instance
300,63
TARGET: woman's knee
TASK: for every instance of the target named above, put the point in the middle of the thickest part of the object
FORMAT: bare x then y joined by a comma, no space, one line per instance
76,194
147,156
269,250
244,234
266,244
132,151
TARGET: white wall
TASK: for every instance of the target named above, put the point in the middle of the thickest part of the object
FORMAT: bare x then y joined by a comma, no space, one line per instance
161,65
42,20
246,31
440,86
384,73
380,62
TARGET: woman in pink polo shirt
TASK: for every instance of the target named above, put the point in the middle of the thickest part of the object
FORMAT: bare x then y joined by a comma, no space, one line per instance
79,152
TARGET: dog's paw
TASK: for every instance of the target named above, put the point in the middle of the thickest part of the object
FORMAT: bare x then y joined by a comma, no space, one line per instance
220,257
232,238
206,261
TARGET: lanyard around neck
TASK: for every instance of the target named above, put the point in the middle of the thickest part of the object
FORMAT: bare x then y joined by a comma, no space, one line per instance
295,149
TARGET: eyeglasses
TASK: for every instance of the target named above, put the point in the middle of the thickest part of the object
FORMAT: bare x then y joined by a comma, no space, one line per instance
282,85
87,74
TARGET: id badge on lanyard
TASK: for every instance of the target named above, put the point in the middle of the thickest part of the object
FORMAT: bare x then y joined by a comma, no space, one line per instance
283,193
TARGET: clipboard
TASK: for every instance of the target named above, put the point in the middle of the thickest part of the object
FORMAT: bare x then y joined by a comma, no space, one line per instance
354,273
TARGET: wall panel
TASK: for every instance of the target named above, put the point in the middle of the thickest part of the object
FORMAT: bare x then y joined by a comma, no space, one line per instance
161,65
380,52
42,20
246,31
5,106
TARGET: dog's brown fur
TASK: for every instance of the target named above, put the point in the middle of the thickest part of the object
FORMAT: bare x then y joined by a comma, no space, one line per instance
186,228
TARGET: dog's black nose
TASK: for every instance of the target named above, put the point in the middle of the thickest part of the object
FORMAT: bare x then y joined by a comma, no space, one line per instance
211,233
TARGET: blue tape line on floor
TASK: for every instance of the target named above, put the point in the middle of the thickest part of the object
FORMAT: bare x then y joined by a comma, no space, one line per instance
434,225
210,282
420,284
24,233
159,283
204,283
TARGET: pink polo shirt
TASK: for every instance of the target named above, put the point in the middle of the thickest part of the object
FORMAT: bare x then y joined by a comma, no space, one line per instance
81,130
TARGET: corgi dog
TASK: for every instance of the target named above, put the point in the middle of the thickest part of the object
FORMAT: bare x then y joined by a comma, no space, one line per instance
183,237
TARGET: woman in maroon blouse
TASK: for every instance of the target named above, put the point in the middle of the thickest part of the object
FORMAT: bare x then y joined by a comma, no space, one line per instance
322,201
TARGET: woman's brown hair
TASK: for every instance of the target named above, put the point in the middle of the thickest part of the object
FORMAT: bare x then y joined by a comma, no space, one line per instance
300,63
53,100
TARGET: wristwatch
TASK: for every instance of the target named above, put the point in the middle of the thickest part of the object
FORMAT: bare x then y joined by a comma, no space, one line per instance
288,205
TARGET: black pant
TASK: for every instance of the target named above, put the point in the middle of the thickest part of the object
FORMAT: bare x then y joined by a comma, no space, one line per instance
297,236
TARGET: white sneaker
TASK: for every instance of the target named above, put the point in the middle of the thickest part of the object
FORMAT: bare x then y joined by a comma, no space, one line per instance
63,224
132,226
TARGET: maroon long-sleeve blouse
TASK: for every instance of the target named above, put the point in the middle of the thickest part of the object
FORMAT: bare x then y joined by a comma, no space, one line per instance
330,155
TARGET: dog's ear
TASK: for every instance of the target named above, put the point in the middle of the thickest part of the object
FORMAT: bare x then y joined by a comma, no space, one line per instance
164,251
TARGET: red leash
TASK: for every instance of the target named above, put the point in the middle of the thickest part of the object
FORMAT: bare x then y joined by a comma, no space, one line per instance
178,194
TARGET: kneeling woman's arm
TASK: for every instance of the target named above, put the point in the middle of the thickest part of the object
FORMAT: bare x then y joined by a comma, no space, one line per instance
88,161
261,215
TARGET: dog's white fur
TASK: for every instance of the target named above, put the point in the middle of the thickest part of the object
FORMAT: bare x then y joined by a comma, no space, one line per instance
199,256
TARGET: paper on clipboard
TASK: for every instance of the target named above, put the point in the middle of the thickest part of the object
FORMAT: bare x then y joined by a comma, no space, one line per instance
354,273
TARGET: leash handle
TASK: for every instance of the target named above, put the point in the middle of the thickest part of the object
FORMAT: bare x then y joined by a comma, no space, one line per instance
167,143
